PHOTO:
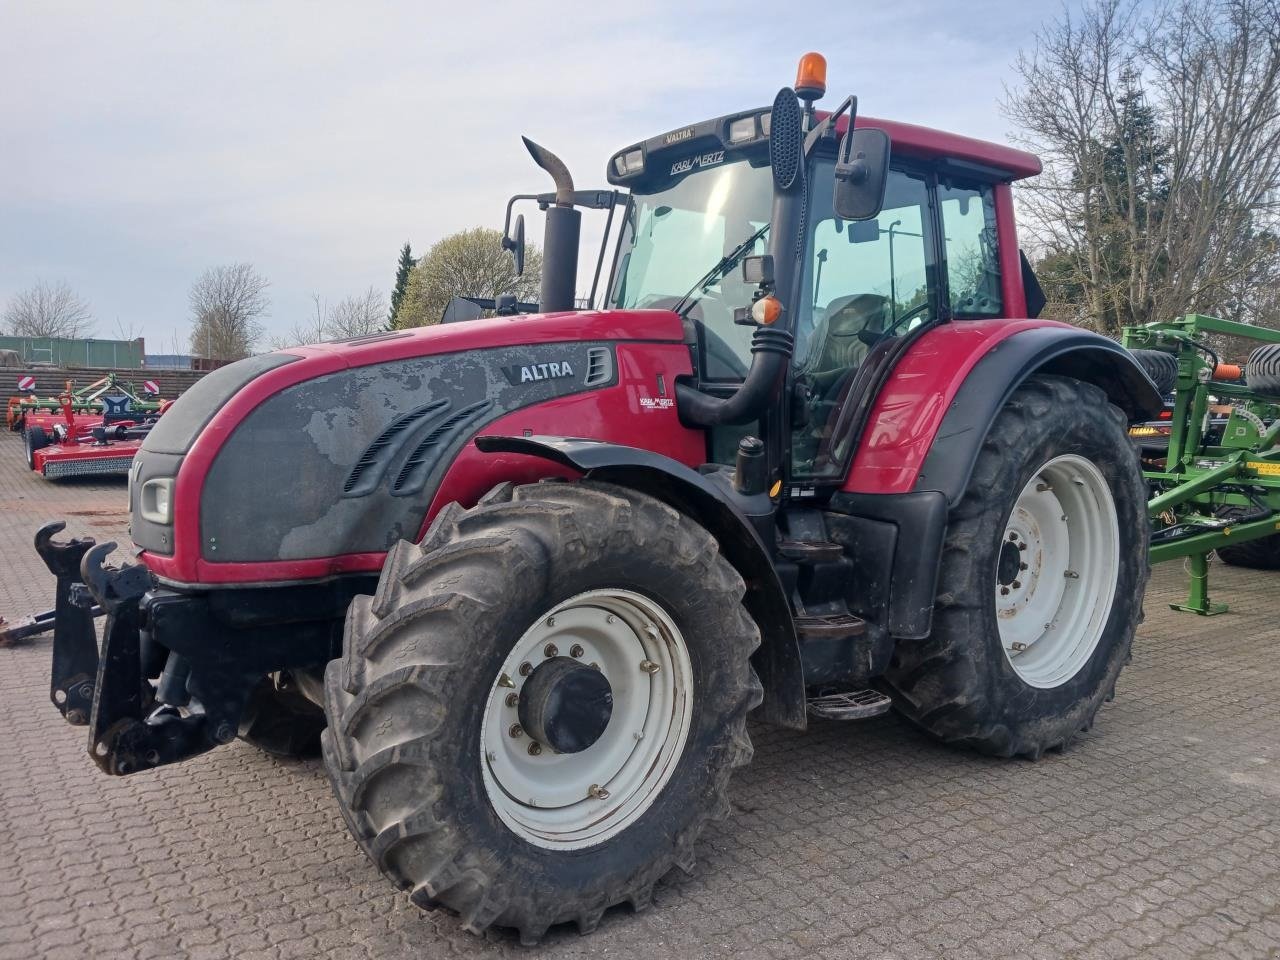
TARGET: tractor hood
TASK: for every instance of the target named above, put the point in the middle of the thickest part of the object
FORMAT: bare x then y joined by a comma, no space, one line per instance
335,450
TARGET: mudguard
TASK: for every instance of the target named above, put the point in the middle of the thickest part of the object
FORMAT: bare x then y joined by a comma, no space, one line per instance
930,421
728,517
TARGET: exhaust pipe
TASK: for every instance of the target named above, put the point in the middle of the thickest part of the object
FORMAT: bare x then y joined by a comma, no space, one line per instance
560,237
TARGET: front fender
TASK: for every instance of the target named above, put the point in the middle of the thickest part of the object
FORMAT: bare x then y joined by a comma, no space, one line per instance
732,519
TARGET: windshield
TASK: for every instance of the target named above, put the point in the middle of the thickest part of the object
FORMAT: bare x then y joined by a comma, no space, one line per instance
674,236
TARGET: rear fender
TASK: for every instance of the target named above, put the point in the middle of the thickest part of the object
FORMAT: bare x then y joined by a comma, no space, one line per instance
932,417
727,517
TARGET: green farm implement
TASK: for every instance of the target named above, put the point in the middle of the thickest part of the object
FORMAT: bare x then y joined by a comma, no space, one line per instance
1213,460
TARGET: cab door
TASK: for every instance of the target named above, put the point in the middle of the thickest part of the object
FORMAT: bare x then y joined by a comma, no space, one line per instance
870,288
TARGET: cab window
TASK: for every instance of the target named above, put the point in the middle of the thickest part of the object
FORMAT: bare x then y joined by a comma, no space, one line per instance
969,243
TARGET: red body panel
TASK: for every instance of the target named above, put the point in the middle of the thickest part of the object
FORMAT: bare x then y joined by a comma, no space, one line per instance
631,413
605,411
910,407
84,422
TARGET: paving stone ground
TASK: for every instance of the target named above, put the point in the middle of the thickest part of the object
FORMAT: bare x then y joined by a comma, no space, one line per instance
1156,835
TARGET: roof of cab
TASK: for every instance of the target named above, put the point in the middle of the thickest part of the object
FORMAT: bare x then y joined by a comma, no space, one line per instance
911,140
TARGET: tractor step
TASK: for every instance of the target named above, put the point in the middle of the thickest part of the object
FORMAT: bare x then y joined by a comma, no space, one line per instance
810,551
852,705
840,626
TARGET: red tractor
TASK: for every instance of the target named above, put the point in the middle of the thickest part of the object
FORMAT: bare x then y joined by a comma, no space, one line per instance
524,578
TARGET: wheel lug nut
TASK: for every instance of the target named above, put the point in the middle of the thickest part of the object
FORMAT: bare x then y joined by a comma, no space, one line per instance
594,665
1022,546
576,651
535,748
516,730
1004,591
649,667
1012,536
611,619
597,792
550,650
513,699
1022,566
526,668
1017,584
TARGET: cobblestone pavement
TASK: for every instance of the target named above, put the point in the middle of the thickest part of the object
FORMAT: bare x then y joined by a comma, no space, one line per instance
1157,835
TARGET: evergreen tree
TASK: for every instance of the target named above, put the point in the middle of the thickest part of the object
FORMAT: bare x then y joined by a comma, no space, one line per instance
403,268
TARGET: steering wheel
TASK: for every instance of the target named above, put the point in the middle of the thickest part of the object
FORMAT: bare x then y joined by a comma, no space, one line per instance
871,339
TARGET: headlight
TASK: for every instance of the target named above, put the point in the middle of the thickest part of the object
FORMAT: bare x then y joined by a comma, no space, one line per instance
742,130
628,163
156,503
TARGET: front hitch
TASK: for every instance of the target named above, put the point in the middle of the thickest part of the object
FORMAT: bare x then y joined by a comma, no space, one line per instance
75,643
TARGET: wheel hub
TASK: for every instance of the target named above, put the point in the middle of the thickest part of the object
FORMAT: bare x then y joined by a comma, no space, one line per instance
587,719
565,704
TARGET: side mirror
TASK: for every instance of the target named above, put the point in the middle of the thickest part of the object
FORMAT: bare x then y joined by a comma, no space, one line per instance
516,245
459,309
862,172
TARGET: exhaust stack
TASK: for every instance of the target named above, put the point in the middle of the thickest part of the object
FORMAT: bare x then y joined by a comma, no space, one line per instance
560,238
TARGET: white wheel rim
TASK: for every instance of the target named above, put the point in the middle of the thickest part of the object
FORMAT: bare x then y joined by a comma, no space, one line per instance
1053,601
569,801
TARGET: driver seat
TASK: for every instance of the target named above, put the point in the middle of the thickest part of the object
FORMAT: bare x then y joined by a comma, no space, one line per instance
839,348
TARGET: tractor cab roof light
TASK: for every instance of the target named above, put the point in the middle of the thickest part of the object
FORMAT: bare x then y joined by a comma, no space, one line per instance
631,162
811,77
742,130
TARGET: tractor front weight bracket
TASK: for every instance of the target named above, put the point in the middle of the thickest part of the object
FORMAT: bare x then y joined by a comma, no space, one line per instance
75,643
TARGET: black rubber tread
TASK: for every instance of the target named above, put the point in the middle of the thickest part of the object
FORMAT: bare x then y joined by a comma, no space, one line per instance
958,684
34,438
1161,367
1260,554
404,702
1262,372
281,721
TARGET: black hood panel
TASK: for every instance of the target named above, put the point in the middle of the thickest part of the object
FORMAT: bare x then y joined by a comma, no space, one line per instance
348,462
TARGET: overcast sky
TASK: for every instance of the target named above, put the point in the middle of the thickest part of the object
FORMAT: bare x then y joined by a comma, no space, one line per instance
142,143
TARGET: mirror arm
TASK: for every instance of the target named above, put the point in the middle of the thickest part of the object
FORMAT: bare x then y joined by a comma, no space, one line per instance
827,128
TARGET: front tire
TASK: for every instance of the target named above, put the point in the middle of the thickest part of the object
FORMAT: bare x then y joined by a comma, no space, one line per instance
1043,572
425,746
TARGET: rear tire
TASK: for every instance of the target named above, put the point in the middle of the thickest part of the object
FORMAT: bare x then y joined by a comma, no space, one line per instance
424,750
1161,367
35,439
1049,456
1260,554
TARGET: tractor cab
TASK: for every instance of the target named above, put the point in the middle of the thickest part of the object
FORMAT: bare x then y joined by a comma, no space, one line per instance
933,243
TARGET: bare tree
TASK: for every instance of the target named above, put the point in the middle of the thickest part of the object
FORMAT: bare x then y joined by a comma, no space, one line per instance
357,316
1159,127
354,316
227,306
48,310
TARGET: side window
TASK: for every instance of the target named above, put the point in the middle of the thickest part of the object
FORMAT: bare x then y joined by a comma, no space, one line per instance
972,252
